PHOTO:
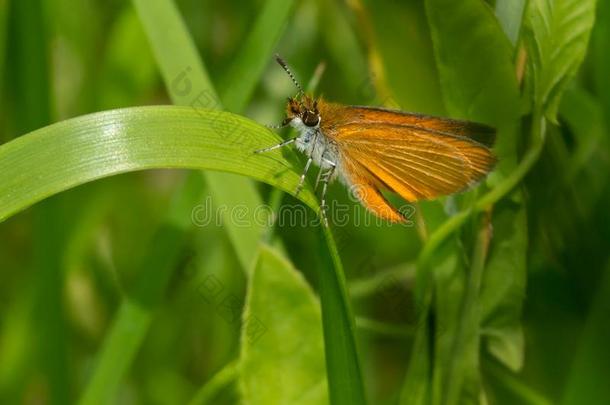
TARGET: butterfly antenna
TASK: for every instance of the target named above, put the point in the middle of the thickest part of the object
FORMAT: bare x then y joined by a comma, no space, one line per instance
284,65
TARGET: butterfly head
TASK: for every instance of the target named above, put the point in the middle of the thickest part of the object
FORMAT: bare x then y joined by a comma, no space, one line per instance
303,109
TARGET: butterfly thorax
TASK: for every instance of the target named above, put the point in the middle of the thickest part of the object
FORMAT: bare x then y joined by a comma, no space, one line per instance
304,115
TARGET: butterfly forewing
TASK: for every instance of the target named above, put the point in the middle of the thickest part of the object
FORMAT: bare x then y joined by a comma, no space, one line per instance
418,157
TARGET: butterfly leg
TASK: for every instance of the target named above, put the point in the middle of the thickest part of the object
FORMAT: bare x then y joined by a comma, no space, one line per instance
325,179
279,145
302,179
321,172
309,160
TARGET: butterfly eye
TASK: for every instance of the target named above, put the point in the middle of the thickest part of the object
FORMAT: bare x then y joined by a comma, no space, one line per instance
311,119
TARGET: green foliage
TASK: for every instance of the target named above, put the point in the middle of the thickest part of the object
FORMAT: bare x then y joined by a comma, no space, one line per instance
557,34
282,356
147,255
97,145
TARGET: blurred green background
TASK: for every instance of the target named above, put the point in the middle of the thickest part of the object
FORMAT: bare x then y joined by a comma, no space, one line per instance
69,264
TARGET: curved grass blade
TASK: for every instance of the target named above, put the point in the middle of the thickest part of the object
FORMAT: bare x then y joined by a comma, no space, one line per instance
345,383
72,152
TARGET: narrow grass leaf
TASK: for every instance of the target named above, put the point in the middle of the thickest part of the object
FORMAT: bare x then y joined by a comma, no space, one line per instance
342,361
72,152
237,86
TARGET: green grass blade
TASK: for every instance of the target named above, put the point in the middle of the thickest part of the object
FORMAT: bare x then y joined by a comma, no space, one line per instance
30,88
184,74
187,83
30,73
63,155
342,362
237,86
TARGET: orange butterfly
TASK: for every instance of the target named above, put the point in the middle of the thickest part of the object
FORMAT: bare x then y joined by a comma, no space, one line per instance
416,156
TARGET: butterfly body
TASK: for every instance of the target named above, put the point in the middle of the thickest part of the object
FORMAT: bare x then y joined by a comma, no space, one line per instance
314,142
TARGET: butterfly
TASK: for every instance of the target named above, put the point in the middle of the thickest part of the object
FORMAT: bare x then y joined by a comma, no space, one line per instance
418,157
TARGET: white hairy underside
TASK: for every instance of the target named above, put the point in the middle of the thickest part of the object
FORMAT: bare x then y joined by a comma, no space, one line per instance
312,142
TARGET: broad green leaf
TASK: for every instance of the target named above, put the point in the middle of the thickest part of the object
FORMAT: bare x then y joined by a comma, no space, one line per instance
476,67
72,152
503,285
282,351
557,35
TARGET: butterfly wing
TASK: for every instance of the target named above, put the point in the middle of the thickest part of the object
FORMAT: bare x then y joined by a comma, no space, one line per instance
417,157
344,115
